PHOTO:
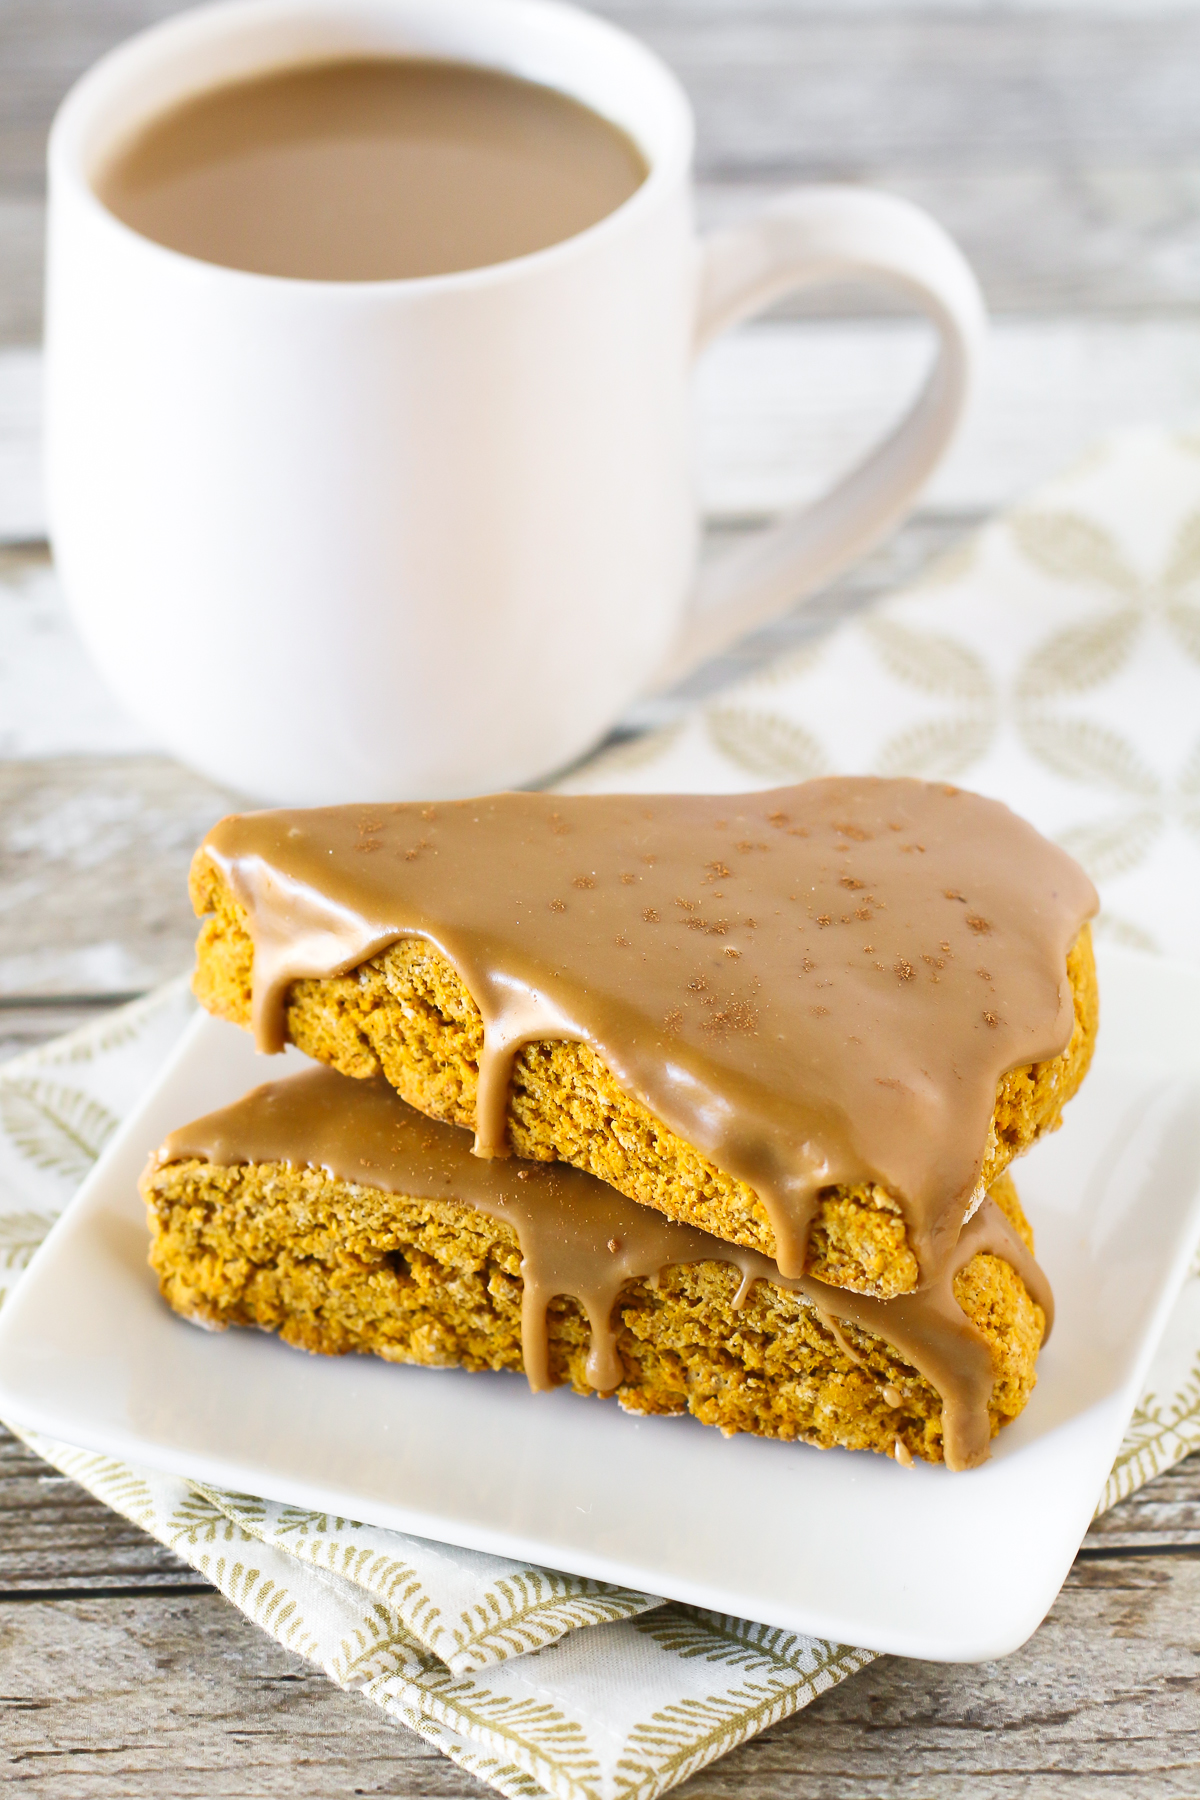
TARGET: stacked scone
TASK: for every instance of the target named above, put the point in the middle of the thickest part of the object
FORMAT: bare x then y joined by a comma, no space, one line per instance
706,1102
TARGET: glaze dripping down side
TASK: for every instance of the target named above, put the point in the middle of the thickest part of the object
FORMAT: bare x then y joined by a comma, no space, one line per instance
815,988
581,1239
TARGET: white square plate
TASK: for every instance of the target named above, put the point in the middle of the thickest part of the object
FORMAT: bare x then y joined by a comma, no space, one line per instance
839,1545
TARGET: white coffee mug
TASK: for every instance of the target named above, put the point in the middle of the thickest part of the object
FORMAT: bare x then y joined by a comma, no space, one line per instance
371,540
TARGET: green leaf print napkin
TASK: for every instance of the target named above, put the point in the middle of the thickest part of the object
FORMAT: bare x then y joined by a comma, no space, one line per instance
1054,661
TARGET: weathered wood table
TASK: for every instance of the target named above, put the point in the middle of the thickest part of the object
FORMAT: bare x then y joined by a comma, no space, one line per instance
1062,145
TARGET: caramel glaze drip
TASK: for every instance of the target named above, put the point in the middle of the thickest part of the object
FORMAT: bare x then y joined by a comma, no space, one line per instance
817,986
582,1239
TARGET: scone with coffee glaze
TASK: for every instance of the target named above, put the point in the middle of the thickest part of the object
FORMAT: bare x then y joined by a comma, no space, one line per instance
327,1210
818,1022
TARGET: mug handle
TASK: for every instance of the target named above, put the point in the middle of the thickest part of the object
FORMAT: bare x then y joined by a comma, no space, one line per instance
810,237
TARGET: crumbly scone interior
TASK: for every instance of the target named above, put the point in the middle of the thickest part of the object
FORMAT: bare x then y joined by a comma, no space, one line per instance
335,1267
405,1012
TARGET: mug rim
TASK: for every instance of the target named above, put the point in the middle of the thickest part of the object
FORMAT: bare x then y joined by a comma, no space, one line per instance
161,46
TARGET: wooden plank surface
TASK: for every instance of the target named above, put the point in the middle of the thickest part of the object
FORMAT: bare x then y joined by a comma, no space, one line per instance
56,1539
1061,143
120,1672
145,1695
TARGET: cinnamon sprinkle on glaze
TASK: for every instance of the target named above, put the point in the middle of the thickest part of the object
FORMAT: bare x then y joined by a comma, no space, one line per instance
772,1094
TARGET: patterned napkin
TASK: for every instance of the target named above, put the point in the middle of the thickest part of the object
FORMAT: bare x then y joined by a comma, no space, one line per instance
1055,662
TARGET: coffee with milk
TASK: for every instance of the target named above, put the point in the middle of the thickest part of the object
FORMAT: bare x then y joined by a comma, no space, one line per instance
372,169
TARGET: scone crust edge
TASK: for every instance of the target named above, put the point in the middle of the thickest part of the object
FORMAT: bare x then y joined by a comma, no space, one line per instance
406,1012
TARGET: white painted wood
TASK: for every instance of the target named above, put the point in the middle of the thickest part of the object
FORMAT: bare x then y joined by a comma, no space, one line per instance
94,855
22,233
784,407
1117,237
904,9
52,701
22,513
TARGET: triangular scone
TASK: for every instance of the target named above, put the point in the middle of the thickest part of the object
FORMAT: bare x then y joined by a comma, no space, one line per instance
817,1022
327,1210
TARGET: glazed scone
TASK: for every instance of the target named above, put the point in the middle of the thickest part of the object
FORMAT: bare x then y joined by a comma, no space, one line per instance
860,947
406,1014
426,1257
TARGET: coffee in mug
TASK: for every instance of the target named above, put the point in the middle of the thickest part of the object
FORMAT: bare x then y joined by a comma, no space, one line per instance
371,169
